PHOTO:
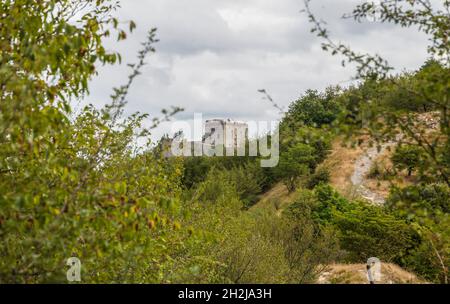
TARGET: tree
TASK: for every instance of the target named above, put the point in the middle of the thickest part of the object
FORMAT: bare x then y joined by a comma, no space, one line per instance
426,207
434,79
428,89
76,185
295,163
313,109
407,157
370,231
320,176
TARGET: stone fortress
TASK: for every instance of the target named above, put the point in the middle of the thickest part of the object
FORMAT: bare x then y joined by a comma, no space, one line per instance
225,132
218,134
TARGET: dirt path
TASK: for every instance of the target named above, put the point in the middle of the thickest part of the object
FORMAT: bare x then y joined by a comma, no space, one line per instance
362,168
357,274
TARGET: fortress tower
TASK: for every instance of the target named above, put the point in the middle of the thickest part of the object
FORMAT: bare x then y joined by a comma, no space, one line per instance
226,132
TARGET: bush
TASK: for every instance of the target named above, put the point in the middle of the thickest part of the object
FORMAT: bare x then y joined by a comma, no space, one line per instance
375,170
364,230
313,109
248,181
77,184
195,170
262,248
295,163
380,171
328,200
407,157
420,202
426,207
320,176
217,187
369,231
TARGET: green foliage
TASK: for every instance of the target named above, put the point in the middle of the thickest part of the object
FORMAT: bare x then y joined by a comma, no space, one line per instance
216,187
251,246
81,186
368,231
422,201
76,186
250,254
413,229
248,181
388,109
195,170
320,176
407,157
427,89
328,201
278,250
313,109
385,107
245,174
304,145
294,163
364,230
426,207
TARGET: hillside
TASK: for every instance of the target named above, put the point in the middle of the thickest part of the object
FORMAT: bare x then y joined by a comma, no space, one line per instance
277,198
98,182
349,167
352,168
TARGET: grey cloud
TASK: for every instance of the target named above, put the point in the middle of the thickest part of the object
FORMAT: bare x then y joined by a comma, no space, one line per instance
213,56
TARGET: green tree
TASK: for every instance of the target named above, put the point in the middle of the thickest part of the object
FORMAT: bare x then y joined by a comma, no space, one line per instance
389,119
433,79
407,157
368,231
294,163
313,109
426,207
76,186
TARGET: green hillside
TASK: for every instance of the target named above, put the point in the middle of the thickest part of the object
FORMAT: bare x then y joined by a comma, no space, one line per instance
364,169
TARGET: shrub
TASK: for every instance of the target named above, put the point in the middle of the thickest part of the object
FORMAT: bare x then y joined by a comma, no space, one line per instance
368,231
195,170
247,181
327,201
426,207
320,176
294,163
364,230
217,187
407,157
375,170
313,109
262,248
77,185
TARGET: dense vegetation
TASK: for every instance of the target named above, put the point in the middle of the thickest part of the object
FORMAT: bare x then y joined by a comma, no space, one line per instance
82,186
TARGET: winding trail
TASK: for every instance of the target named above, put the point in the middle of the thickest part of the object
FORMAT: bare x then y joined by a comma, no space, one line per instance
426,121
362,167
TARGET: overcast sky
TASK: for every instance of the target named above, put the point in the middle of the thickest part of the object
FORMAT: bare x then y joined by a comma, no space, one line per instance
214,55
